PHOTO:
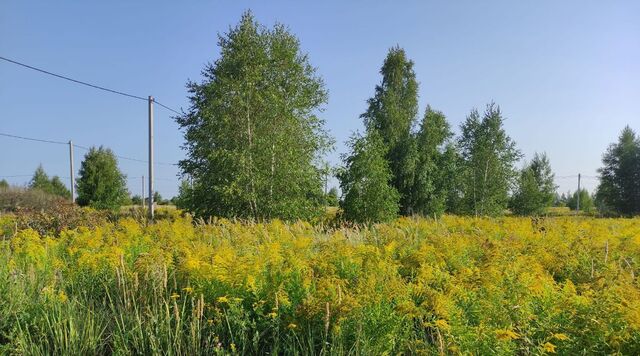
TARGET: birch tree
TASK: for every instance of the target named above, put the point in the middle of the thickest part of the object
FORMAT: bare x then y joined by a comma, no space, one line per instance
392,112
252,134
488,158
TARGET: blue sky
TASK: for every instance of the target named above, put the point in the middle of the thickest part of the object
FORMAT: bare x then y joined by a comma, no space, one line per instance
565,73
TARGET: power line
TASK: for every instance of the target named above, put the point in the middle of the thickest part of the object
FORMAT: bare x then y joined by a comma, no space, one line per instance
160,179
82,147
33,139
129,158
66,177
85,83
166,107
73,80
576,176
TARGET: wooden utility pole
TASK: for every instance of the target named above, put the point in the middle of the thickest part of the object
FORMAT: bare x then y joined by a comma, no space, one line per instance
150,157
71,170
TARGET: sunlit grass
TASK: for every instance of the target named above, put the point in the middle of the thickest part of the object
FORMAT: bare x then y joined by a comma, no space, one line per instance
482,286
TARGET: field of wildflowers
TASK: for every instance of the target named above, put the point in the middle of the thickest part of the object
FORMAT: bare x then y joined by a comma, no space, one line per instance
565,285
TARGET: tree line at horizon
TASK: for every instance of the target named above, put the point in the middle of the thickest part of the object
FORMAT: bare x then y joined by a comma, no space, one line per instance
255,144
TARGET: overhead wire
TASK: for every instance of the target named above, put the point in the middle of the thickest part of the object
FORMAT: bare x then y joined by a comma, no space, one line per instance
99,87
72,80
33,139
82,147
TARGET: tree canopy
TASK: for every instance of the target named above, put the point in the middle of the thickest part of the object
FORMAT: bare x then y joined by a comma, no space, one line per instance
535,187
488,158
619,189
100,183
586,202
253,137
392,112
436,162
41,181
364,180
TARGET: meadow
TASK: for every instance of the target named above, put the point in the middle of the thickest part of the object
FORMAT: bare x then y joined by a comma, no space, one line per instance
455,285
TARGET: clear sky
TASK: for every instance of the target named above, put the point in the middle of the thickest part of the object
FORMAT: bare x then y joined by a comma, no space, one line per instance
565,73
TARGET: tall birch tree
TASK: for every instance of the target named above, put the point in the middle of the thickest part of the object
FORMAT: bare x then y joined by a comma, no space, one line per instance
253,137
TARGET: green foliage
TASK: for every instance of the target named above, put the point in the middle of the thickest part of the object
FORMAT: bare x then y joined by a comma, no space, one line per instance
586,202
367,195
560,200
4,184
332,197
454,285
436,165
619,189
100,183
58,188
158,199
392,112
185,196
41,181
535,190
488,158
136,200
252,135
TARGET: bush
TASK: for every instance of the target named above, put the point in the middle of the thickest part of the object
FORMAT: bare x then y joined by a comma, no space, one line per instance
46,213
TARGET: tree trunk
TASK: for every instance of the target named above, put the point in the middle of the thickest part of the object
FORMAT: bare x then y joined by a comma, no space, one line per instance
484,186
252,201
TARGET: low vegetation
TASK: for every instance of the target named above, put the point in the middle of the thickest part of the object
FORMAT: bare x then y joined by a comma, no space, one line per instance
415,286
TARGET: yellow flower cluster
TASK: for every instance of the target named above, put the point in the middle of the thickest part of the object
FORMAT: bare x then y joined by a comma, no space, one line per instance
475,285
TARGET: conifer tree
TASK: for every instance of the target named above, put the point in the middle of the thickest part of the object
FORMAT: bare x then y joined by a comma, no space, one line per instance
41,181
619,188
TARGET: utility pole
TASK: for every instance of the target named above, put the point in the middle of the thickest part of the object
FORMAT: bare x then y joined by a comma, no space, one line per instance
71,170
151,157
578,201
143,202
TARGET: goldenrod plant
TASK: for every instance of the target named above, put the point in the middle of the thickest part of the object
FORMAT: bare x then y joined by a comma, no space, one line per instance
565,285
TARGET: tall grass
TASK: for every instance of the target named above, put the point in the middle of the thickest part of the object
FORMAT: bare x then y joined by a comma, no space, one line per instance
456,285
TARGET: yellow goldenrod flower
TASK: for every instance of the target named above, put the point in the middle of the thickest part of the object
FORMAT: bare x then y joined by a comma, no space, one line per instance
561,337
442,324
62,296
506,335
549,347
223,299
